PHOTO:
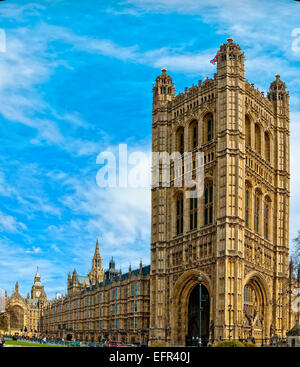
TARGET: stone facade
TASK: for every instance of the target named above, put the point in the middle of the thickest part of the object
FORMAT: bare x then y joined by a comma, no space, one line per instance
107,306
24,314
237,232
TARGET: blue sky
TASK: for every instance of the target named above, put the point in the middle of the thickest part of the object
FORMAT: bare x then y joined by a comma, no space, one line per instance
75,80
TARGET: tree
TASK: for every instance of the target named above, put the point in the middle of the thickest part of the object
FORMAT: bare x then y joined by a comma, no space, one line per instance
3,322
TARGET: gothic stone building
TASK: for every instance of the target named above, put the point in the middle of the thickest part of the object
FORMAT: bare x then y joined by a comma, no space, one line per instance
24,314
237,232
102,306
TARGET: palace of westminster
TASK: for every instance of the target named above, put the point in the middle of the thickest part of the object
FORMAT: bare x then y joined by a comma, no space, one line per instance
236,235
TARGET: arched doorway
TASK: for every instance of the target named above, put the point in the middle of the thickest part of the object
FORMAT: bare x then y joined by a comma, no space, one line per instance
69,337
193,334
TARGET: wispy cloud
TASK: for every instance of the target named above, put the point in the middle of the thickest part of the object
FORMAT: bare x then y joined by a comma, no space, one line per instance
10,224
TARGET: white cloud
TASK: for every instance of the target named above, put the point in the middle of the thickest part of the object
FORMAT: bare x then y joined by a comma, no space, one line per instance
33,250
10,224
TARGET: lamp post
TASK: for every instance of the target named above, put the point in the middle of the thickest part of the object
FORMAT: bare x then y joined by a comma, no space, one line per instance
200,278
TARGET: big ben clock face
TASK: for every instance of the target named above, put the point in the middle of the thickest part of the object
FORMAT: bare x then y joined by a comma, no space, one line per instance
38,293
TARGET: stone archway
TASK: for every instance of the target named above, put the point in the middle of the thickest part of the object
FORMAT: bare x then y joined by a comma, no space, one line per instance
256,306
193,333
180,304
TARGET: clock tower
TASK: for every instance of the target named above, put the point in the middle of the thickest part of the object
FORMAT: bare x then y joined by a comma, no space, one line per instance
37,290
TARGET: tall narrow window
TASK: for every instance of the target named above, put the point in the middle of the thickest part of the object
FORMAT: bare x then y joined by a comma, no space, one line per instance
193,213
248,130
247,208
266,218
180,140
193,133
257,213
249,300
195,136
257,139
267,147
209,130
179,214
208,202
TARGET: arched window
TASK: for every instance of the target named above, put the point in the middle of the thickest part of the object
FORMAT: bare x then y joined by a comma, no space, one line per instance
180,140
208,203
193,135
257,139
179,214
248,130
208,128
193,213
249,301
267,147
267,213
257,212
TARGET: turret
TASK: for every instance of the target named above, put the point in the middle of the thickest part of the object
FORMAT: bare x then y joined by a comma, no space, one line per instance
74,277
163,89
277,92
230,60
69,283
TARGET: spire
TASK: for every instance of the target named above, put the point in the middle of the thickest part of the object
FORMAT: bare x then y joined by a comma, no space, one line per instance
96,274
17,287
37,278
141,266
97,253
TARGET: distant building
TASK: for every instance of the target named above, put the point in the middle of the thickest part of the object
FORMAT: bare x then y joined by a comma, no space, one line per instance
24,314
102,305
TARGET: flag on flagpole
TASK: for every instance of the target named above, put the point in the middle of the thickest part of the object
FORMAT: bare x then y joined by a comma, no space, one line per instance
214,60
